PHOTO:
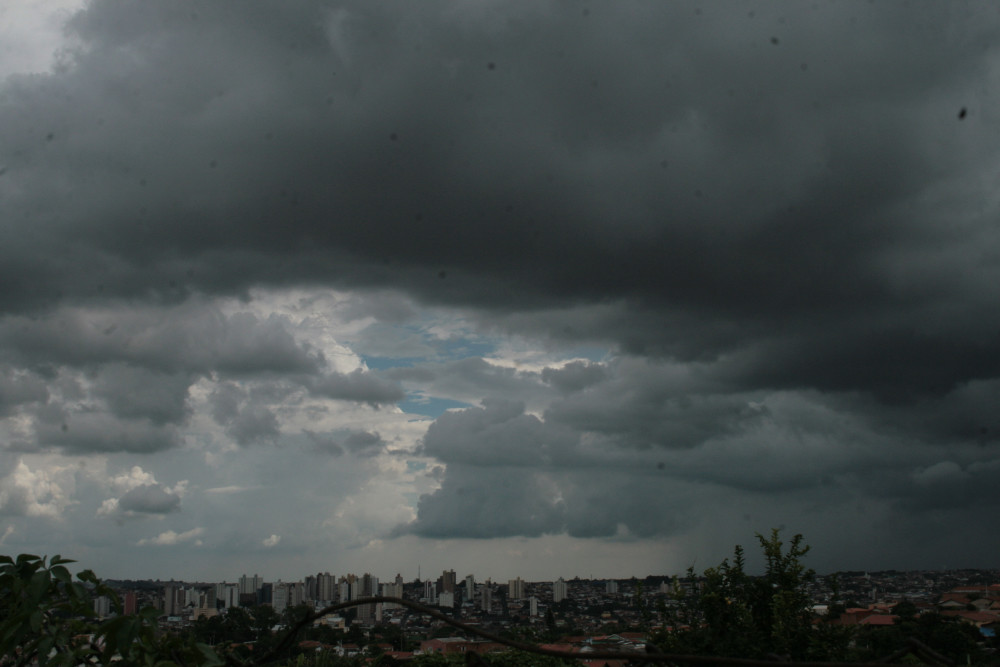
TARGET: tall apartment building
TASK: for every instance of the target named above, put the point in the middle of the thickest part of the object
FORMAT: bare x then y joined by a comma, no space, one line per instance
368,588
558,590
430,593
470,588
296,594
394,590
515,589
345,588
448,581
279,597
170,606
130,603
102,606
251,584
227,595
326,587
611,587
486,599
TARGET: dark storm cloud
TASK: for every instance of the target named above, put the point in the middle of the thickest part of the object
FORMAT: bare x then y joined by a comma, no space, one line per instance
135,393
503,501
772,214
17,388
358,385
191,338
150,499
614,455
574,376
247,420
499,433
359,443
83,433
755,197
784,201
139,363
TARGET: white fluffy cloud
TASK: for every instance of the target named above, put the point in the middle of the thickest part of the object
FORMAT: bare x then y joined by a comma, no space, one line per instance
36,493
142,495
170,538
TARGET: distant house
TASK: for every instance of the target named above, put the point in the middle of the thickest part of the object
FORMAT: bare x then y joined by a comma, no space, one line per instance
977,618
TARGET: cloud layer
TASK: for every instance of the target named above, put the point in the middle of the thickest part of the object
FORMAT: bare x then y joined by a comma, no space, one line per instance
377,275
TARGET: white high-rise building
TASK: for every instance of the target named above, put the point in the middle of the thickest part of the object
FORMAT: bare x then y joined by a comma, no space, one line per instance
343,591
559,590
611,587
486,601
533,606
102,606
430,593
515,589
279,597
393,590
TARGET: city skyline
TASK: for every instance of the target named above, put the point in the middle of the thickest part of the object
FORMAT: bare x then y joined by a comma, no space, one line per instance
533,288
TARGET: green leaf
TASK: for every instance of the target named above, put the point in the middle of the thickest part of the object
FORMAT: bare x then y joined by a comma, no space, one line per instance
211,657
61,573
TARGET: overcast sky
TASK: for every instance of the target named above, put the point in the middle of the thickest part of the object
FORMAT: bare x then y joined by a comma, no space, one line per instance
526,287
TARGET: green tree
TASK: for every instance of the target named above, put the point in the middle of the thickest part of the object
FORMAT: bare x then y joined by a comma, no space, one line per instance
738,615
47,618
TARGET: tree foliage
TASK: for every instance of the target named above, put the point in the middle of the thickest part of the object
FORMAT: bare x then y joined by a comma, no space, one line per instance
738,615
47,618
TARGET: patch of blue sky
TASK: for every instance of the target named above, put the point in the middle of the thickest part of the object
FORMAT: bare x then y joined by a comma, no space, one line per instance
429,406
385,363
463,348
416,466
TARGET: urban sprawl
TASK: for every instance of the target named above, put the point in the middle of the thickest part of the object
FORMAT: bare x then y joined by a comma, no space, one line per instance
587,613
